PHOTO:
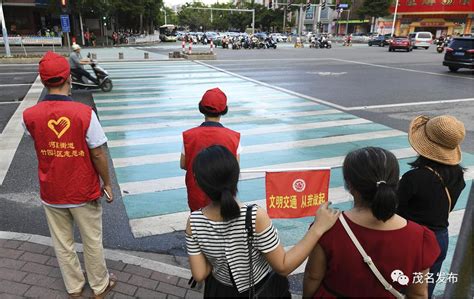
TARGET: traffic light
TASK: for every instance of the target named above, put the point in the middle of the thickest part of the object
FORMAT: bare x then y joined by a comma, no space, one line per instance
323,4
64,5
308,5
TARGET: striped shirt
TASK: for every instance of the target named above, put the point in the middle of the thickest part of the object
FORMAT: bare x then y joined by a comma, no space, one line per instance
225,246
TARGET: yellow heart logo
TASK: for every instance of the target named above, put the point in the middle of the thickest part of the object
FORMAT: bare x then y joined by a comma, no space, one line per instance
60,126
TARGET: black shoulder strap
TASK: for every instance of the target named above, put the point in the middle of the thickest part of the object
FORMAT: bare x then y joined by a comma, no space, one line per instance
248,221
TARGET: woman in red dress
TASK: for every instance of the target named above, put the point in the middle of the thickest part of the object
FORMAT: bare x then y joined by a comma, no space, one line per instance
402,250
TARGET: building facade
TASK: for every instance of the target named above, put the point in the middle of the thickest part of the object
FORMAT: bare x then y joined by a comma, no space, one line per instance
440,17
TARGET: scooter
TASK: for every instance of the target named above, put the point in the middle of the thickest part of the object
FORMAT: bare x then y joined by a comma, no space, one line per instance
105,84
325,44
270,43
440,45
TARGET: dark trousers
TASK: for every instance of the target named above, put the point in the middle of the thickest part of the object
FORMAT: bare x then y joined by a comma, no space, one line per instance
83,73
443,240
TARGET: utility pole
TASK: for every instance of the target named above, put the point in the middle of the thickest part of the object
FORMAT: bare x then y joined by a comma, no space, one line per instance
4,32
394,18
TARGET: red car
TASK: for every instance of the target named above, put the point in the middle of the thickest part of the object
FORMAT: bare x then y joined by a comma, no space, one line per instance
400,43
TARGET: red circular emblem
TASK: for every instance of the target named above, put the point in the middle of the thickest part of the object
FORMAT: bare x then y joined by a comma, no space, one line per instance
299,185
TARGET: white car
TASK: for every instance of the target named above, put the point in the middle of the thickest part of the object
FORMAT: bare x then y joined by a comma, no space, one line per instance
422,39
278,37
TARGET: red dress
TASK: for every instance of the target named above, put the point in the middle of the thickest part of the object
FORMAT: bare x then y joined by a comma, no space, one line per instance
410,249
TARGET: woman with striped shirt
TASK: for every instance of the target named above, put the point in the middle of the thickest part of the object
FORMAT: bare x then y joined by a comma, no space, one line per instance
216,238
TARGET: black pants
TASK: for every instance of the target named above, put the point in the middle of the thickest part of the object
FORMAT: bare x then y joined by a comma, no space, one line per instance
83,73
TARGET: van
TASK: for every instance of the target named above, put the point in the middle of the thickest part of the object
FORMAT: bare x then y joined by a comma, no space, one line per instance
422,39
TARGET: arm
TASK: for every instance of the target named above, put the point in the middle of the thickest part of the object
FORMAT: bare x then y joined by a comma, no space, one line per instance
182,162
314,272
285,262
200,267
101,164
418,290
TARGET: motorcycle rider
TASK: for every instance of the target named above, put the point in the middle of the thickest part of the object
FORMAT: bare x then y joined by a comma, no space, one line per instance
77,64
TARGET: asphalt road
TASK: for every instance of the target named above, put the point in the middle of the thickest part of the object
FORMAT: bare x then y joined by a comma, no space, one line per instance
349,78
358,76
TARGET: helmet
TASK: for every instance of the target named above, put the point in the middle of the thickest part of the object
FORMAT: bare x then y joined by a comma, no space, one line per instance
76,47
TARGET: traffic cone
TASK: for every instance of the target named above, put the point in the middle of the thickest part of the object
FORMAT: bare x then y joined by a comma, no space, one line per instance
183,46
212,46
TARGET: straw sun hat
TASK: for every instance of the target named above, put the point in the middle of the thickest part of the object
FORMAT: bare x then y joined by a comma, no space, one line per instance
437,138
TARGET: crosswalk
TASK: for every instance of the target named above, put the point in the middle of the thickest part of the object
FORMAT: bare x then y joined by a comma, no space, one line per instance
154,102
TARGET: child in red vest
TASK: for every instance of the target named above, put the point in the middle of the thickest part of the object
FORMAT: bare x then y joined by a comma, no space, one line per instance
211,132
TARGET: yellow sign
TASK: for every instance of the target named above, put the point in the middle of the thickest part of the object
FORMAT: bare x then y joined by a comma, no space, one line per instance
60,126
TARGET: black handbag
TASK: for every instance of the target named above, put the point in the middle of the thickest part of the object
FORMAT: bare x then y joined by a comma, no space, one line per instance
275,285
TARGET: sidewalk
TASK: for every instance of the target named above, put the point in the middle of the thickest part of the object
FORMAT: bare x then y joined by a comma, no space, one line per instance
30,269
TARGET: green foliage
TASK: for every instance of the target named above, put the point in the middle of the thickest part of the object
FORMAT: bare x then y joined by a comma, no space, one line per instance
265,19
374,8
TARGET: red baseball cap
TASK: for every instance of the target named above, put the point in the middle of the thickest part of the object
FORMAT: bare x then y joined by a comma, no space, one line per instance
54,69
214,101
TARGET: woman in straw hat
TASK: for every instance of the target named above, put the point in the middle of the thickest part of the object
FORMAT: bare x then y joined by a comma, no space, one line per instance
429,191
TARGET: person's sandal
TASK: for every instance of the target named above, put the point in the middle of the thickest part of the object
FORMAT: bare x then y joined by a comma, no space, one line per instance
110,286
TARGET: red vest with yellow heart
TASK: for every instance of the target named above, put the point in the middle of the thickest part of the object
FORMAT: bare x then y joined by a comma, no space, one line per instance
65,170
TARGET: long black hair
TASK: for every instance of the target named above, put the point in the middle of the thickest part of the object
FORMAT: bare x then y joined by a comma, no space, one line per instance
216,171
374,173
451,174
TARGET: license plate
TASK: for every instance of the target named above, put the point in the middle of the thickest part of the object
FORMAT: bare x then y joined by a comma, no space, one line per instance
459,53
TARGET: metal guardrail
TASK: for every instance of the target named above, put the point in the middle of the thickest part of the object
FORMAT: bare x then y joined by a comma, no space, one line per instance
33,41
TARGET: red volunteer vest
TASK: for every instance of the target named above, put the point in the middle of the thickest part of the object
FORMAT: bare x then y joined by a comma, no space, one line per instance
197,139
65,170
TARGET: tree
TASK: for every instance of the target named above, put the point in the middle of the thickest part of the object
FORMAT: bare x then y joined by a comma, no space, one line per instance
374,9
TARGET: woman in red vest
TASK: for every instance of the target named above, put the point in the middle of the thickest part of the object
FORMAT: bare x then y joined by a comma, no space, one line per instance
211,132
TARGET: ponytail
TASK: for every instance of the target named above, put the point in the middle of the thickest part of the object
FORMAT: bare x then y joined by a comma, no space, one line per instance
385,202
229,207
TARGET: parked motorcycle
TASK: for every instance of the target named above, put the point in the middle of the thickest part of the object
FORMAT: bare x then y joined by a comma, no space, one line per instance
270,43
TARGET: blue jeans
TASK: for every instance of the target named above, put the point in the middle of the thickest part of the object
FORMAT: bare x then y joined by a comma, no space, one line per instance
443,240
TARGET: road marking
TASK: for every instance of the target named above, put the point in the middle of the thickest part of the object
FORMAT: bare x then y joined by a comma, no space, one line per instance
196,99
256,131
275,87
172,183
110,254
13,132
263,148
409,104
402,69
230,120
11,102
260,105
18,73
143,227
15,84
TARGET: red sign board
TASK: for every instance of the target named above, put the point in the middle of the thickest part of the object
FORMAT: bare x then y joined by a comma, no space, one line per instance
296,194
436,6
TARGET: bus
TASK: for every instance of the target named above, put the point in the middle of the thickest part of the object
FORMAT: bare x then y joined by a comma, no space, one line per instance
168,33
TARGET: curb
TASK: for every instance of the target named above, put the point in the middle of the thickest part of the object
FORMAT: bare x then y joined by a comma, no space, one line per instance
110,254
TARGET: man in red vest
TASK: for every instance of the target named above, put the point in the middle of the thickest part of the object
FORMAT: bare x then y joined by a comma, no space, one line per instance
68,141
211,132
